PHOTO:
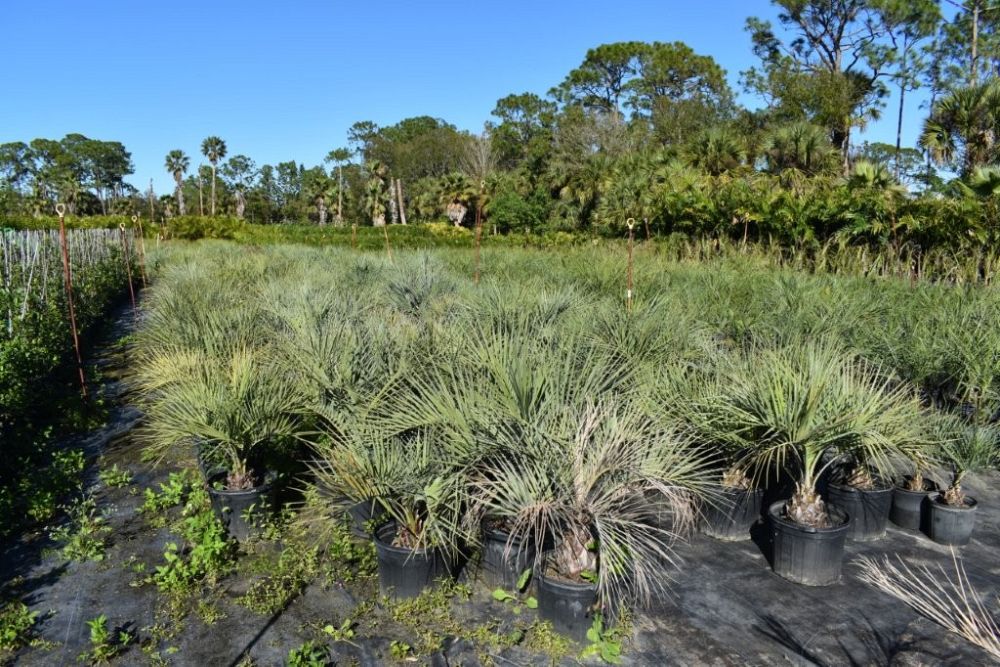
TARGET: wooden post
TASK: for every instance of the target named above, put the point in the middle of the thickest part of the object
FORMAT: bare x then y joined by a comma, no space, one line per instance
628,288
68,283
388,249
142,250
479,227
128,268
354,236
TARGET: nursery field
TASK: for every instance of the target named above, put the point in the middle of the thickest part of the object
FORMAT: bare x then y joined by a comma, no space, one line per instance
320,456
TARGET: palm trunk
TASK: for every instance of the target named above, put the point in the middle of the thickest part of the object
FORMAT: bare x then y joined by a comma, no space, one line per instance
340,195
201,197
179,192
213,189
399,196
321,207
241,204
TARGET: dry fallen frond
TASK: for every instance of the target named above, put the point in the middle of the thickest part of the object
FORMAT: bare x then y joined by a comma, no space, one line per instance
949,601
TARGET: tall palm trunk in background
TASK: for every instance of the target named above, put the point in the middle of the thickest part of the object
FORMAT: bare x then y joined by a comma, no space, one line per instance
179,192
399,196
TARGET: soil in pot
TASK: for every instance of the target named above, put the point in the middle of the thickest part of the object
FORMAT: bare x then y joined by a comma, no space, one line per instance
807,555
404,573
908,507
242,511
731,514
498,567
364,515
569,606
868,509
950,524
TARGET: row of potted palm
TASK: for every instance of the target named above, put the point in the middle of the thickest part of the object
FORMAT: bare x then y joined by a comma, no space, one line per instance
841,432
535,454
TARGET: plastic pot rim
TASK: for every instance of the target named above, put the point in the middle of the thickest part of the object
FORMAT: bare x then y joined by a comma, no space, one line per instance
774,513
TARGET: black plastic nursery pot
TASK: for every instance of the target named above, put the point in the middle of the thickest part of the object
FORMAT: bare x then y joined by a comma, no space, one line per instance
364,515
404,573
868,509
807,555
908,506
569,606
732,512
948,524
241,511
498,567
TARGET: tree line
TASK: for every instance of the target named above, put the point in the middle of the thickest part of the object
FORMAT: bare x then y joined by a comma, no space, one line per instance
645,130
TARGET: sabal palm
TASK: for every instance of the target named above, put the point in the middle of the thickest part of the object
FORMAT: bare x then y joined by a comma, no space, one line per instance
376,191
800,146
963,127
177,164
214,149
716,151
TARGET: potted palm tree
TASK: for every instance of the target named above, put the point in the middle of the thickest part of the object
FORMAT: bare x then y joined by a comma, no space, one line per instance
863,495
800,410
734,507
240,412
413,504
952,513
909,497
593,481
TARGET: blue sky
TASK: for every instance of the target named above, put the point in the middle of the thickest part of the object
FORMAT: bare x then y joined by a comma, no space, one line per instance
284,80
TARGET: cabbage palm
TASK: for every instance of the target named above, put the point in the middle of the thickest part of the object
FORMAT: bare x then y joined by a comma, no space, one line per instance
177,164
716,151
214,149
963,127
801,146
377,198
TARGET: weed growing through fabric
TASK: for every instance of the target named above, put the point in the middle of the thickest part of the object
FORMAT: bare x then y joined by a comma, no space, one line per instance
83,536
115,477
604,642
17,622
287,576
518,598
105,643
173,492
206,555
310,654
400,650
42,489
342,633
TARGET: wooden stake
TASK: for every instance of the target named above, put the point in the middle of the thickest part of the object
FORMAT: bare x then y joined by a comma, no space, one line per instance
128,268
479,228
628,290
142,250
68,283
388,250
